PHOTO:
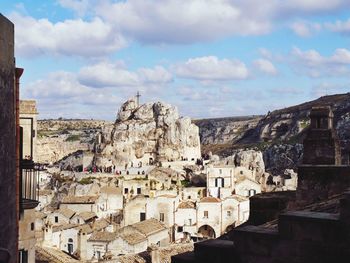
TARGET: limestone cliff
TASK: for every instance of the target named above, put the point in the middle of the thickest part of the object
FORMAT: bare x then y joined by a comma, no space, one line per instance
225,130
279,134
149,133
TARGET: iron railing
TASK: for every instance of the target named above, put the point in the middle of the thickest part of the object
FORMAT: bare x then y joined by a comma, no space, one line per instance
29,184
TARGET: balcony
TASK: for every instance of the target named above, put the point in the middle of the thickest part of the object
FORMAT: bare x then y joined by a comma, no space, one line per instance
29,179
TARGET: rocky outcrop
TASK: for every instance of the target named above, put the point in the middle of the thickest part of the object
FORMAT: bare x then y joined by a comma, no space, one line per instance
146,134
278,158
225,130
287,125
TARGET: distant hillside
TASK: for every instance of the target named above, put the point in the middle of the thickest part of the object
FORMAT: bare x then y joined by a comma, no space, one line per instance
225,130
285,126
58,138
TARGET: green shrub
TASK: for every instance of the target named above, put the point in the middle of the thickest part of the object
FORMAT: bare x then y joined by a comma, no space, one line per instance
87,180
72,138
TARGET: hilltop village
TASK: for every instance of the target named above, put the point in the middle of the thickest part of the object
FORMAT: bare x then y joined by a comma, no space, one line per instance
141,184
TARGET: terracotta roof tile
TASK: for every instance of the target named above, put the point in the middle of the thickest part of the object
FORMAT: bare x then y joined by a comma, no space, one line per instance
103,236
210,199
87,215
187,204
149,226
79,199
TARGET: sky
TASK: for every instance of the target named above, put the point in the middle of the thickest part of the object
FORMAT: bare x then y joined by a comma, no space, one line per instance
209,58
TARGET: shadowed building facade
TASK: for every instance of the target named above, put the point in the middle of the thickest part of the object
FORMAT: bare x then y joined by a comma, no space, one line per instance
18,177
9,202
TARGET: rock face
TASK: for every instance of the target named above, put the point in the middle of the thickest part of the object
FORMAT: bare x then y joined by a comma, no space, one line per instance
225,130
146,134
278,158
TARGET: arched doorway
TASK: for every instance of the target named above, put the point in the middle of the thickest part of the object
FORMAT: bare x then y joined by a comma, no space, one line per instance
206,232
186,236
230,227
70,246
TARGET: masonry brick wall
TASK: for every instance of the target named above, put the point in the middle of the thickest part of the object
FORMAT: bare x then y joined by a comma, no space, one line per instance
8,204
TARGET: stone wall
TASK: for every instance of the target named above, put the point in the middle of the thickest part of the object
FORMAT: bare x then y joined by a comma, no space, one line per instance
267,206
8,204
319,182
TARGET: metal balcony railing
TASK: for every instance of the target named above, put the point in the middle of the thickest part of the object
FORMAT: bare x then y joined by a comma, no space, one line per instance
29,184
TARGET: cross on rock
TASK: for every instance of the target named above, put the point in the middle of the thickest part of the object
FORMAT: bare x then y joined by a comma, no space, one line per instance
138,95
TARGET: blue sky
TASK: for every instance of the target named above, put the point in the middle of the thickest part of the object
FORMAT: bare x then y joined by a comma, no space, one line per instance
214,58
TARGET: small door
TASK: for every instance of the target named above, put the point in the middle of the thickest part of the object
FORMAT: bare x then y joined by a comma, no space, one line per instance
142,216
70,246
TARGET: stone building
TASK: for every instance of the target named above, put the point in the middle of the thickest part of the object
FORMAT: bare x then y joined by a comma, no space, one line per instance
130,239
321,145
18,175
8,187
225,180
80,204
28,123
210,217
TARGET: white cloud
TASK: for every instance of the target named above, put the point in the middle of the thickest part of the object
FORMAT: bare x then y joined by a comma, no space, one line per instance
79,6
312,6
70,37
157,74
189,21
265,66
211,68
305,29
115,23
60,94
339,26
96,91
315,65
327,88
106,74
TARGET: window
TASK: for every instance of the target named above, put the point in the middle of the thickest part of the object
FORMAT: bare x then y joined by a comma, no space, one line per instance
32,226
161,217
126,190
142,216
23,256
252,192
56,219
219,182
138,190
78,221
220,171
180,229
241,172
228,213
206,214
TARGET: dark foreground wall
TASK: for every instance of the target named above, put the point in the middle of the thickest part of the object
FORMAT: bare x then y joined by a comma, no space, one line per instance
320,182
8,204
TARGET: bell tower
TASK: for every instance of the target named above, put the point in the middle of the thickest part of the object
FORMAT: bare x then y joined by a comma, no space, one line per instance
321,145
